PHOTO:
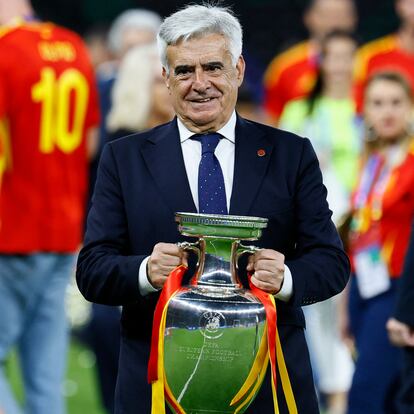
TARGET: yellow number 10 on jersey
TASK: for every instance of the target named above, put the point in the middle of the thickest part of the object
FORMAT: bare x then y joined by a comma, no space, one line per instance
54,94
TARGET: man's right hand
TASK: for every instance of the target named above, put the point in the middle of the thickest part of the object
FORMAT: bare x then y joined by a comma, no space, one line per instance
164,258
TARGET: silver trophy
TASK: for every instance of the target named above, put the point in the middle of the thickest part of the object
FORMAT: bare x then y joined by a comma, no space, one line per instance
213,326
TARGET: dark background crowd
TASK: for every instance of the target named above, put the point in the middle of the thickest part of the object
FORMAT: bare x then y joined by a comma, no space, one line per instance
269,26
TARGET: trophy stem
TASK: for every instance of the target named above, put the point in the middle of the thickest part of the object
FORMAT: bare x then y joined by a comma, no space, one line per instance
217,266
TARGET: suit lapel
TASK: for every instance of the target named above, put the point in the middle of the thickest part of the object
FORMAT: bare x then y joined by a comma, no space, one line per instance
252,155
164,158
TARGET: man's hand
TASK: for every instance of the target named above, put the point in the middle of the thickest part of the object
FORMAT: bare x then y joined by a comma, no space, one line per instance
268,268
164,258
400,334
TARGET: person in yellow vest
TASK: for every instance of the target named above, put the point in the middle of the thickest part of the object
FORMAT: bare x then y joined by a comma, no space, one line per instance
292,74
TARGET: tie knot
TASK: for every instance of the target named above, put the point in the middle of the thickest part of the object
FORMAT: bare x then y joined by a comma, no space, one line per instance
209,142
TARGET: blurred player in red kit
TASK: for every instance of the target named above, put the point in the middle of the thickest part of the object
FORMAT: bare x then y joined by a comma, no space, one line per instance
48,118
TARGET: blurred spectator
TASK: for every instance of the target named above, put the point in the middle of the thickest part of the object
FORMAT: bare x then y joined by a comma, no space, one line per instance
292,74
328,117
394,52
383,210
401,329
131,28
48,115
140,99
248,105
96,40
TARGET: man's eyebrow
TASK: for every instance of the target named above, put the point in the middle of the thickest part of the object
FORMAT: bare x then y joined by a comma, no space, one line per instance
183,68
214,63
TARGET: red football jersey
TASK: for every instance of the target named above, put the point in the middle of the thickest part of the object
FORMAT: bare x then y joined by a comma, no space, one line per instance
290,75
384,54
48,101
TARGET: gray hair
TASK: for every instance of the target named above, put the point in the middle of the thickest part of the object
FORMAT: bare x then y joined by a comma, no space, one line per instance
139,19
196,21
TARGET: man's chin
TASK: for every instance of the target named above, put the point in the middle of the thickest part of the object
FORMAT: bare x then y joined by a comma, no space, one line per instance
200,124
203,118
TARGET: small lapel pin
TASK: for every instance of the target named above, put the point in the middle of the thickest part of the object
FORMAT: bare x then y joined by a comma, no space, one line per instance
261,152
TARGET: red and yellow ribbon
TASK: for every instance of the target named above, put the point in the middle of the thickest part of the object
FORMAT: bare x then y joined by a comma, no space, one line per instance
156,374
271,347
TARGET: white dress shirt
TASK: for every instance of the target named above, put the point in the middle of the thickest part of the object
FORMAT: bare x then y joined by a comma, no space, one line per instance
225,154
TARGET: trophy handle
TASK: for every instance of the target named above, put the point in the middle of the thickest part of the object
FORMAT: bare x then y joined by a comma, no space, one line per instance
190,247
241,250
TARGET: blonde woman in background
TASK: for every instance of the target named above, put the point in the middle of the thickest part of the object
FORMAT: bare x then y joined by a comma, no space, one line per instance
140,99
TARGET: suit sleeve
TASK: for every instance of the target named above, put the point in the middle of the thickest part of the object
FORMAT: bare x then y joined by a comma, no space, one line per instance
106,272
404,310
320,268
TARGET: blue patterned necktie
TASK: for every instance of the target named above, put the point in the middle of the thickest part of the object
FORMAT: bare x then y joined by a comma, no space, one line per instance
211,190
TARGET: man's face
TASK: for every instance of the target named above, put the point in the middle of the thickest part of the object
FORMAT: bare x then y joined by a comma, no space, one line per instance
203,82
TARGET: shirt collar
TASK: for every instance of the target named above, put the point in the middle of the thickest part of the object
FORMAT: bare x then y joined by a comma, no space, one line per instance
228,130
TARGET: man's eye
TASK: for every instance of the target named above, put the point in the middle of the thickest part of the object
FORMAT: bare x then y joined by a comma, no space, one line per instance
213,68
182,71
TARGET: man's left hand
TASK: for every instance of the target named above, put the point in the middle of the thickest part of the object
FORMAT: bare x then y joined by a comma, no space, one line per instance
400,334
268,268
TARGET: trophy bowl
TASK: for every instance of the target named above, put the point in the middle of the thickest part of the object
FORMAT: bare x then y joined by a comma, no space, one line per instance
214,326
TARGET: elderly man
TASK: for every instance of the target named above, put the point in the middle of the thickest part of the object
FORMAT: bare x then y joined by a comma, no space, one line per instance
255,170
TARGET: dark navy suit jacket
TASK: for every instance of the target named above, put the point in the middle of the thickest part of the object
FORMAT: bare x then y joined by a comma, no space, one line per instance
142,182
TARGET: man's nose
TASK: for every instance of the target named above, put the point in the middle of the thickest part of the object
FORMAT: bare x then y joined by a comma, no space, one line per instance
201,81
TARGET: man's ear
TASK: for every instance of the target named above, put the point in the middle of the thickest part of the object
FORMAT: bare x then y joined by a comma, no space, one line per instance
166,77
240,67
